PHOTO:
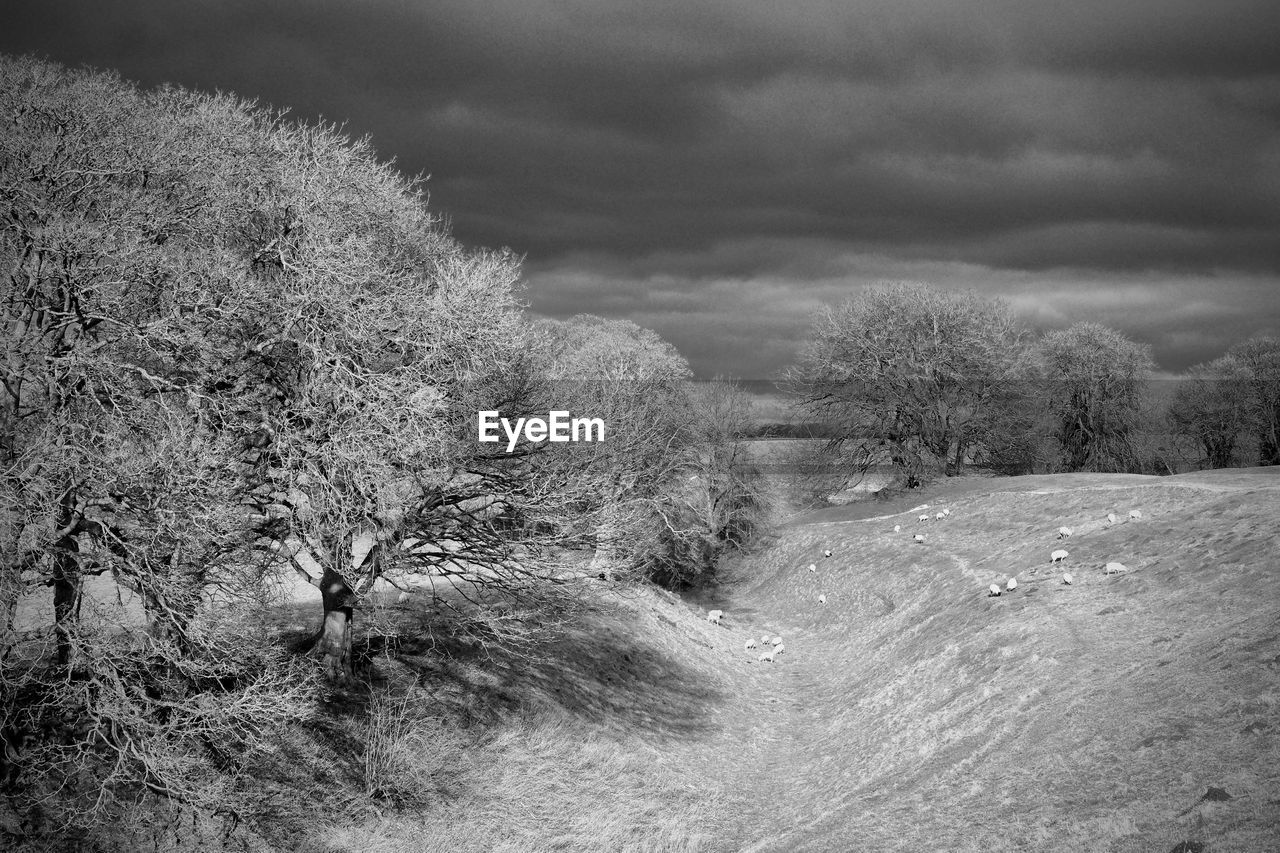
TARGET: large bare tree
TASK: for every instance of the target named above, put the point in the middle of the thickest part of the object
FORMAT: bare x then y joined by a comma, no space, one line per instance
909,375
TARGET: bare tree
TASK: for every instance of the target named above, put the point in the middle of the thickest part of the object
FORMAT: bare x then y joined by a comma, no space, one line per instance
1259,358
1096,395
229,340
1212,408
909,376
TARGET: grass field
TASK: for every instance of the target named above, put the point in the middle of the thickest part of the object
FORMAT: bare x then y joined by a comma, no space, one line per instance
911,712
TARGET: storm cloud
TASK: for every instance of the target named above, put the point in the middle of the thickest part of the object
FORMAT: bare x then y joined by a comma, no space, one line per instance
719,170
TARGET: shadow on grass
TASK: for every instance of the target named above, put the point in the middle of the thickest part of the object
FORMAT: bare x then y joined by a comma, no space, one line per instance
598,669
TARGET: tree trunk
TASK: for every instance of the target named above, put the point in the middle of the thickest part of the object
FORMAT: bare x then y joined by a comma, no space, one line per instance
604,562
66,595
333,642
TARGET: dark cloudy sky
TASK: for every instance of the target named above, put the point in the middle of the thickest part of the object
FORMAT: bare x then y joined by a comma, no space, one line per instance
718,170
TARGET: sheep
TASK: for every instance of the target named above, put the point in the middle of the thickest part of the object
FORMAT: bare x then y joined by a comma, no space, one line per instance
924,517
1115,568
1064,532
767,655
776,641
1067,579
826,553
920,537
714,616
764,640
1135,515
751,644
897,528
1058,556
1011,585
813,567
1111,519
940,516
946,511
779,649
822,599
994,591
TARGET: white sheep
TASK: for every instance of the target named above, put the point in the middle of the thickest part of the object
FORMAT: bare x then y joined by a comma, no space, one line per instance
1011,585
993,591
897,528
767,655
1058,556
764,640
1111,518
777,641
1067,579
1064,532
751,644
924,517
813,567
403,597
946,511
714,616
779,649
940,516
826,553
822,599
1114,568
920,537
1135,515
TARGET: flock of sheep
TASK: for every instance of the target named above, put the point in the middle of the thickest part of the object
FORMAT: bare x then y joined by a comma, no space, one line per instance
773,646
1061,554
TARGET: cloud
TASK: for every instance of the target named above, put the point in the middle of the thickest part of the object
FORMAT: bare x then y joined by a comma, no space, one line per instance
719,168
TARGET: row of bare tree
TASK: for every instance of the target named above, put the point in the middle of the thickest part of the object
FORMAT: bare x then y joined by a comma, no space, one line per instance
927,381
234,343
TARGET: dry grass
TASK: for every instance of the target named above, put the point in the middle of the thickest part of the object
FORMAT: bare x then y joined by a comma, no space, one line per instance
910,713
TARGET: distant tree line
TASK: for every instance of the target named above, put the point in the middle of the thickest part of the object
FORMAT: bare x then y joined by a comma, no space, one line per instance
932,382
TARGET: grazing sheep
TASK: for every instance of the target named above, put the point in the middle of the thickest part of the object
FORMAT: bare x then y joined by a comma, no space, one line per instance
920,537
1135,515
1064,532
1114,568
812,567
994,591
764,640
779,649
924,517
1111,518
940,516
714,616
777,641
1011,585
826,553
767,655
1058,556
403,597
897,528
1067,579
946,511
751,644
822,599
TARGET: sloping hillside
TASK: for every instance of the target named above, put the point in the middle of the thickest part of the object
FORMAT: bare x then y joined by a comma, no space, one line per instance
911,712
927,715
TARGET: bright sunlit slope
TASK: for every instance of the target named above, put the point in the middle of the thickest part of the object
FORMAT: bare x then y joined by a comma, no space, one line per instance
1128,711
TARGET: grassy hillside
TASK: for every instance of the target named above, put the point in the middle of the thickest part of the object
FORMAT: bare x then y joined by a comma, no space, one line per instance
1085,717
911,712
